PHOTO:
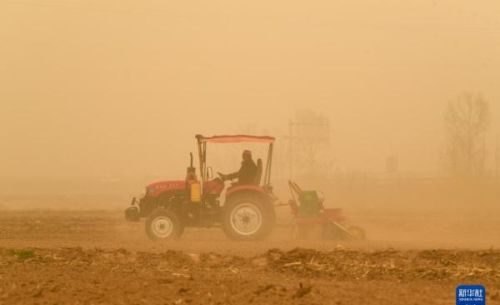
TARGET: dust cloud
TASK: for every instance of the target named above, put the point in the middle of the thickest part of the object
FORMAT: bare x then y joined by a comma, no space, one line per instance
99,98
389,109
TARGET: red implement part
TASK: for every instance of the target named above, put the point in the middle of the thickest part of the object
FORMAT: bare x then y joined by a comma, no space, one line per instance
326,216
334,214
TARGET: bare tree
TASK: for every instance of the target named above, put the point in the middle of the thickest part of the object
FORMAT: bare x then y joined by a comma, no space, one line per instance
467,120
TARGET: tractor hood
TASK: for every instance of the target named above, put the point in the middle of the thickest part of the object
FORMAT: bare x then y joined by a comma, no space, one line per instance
155,189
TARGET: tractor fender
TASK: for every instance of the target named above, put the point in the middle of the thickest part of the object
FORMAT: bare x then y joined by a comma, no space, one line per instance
245,188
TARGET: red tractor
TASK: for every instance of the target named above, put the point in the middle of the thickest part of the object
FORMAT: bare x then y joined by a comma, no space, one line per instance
247,212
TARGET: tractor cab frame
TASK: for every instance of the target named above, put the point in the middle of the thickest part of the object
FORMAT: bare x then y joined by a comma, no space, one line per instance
263,179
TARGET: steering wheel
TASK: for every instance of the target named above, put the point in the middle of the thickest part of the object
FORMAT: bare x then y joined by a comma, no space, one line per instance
221,176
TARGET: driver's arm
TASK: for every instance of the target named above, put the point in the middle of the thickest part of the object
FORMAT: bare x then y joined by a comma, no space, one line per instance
232,175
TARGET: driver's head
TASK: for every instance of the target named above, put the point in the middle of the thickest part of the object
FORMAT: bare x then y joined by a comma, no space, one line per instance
247,155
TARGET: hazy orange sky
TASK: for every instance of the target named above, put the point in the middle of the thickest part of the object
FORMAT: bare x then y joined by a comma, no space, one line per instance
114,88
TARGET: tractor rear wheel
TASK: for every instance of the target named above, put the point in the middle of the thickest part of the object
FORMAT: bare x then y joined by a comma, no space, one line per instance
163,224
247,217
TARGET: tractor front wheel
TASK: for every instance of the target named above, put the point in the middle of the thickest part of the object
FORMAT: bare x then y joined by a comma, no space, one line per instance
163,224
247,218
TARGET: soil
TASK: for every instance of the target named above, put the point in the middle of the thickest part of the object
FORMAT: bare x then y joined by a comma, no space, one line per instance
95,257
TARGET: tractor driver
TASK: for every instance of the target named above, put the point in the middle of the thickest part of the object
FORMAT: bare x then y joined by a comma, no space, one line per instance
247,173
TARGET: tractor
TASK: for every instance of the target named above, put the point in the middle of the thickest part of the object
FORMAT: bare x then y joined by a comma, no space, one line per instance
246,212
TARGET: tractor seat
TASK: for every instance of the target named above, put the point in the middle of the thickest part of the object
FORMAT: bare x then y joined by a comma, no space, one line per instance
258,172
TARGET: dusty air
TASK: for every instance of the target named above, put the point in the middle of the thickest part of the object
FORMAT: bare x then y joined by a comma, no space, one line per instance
269,152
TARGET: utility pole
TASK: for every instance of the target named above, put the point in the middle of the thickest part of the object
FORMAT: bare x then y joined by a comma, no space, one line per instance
290,148
303,134
497,157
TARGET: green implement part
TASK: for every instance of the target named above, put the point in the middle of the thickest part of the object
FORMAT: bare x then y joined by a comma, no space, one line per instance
309,203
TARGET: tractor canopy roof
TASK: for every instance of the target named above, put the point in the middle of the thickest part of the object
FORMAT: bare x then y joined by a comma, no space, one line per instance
235,139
